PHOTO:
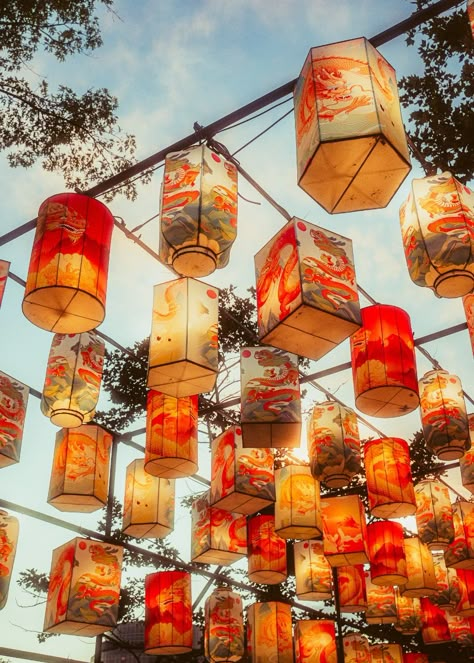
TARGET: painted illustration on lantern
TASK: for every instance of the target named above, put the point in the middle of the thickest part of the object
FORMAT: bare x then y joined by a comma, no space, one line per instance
221,534
224,626
297,502
351,588
381,607
434,514
460,552
312,570
344,527
13,402
315,640
8,541
356,649
408,614
272,632
168,620
267,550
4,269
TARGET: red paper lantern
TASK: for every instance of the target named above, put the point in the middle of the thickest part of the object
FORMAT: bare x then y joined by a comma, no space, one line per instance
315,641
415,657
459,554
312,571
344,530
351,588
434,514
434,623
168,613
465,586
269,632
386,553
297,506
4,269
266,551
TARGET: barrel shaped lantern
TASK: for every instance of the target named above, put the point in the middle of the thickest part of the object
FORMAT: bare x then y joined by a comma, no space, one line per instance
386,553
434,623
383,363
267,561
466,462
459,554
312,571
223,627
352,152
468,304
351,588
356,648
4,269
344,530
198,215
67,277
384,652
408,613
297,506
420,569
307,300
434,514
168,613
13,402
9,529
438,237
269,632
381,606
315,641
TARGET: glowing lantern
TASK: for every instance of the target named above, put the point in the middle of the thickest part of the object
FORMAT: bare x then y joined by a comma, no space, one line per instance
73,377
466,463
168,613
270,397
344,530
415,657
269,634
386,553
465,605
436,224
383,363
315,641
434,514
461,629
297,508
356,648
266,551
219,537
386,653
312,571
449,591
13,401
351,588
408,614
434,623
468,303
333,444
67,277
84,588
443,415
420,569
148,511
307,300
198,211
80,473
389,483
242,480
352,152
171,449
459,554
4,269
8,540
224,627
381,606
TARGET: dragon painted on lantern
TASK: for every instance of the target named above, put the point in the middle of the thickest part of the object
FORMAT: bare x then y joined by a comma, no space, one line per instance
13,400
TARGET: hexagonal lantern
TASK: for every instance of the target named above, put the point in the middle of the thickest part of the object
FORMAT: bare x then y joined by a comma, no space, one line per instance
351,588
315,641
168,613
459,554
223,627
434,514
344,530
269,632
266,551
312,571
4,269
13,402
297,506
9,529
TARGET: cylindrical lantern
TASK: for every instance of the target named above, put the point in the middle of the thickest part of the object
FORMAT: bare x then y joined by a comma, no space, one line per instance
420,569
84,588
383,362
408,614
333,444
436,224
381,606
8,541
465,586
356,648
443,415
468,303
449,592
459,554
242,480
307,299
434,514
312,571
168,613
386,553
344,530
266,551
466,463
352,152
351,588
269,632
73,377
434,623
315,641
389,484
67,277
461,629
171,449
384,652
13,402
80,472
297,506
198,214
4,269
148,506
223,627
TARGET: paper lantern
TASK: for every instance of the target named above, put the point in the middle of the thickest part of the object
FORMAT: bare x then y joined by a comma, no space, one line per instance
434,623
13,402
223,627
436,224
84,588
386,553
443,415
269,632
468,303
389,484
434,514
383,363
420,569
408,614
182,359
242,480
8,541
466,462
270,398
449,591
356,648
171,449
312,571
168,613
344,530
351,588
198,214
459,554
333,444
415,657
148,511
266,551
307,299
465,586
67,277
297,506
381,606
315,641
386,653
352,152
4,269
461,629
73,377
219,537
80,472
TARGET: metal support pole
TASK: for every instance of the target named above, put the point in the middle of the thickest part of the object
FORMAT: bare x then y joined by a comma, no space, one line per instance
337,605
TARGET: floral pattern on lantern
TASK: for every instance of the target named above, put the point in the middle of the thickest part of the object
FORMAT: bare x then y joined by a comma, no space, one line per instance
315,641
351,588
386,553
381,606
307,299
408,614
297,506
386,653
434,514
312,571
466,463
356,648
266,551
269,632
420,569
223,627
4,269
168,613
13,402
67,277
434,623
459,554
73,377
9,529
344,530
468,303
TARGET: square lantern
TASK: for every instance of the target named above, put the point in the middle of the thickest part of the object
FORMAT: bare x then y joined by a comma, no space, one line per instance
269,632
344,530
84,588
315,641
420,569
267,560
9,529
13,402
242,479
352,152
223,627
182,358
351,588
297,506
459,554
270,398
312,571
4,269
307,299
168,613
219,537
381,606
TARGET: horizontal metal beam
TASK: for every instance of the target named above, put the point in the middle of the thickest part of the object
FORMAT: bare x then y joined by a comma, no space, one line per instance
34,656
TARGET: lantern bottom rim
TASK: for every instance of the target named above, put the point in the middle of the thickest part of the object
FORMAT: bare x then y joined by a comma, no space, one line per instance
449,452
455,283
389,579
168,649
337,480
65,418
194,261
63,309
170,467
386,401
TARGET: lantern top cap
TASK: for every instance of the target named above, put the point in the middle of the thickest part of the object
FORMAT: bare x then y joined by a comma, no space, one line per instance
435,371
186,278
343,41
77,196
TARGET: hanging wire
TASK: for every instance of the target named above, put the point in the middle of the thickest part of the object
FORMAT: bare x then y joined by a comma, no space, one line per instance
259,135
254,117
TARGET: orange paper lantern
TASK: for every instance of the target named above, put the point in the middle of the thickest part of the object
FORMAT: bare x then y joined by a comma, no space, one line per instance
420,569
461,629
468,303
386,553
344,530
312,571
381,606
297,506
4,269
356,648
168,613
269,632
351,588
466,463
266,551
459,554
386,653
434,514
13,402
449,591
223,627
9,529
408,614
434,623
315,641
